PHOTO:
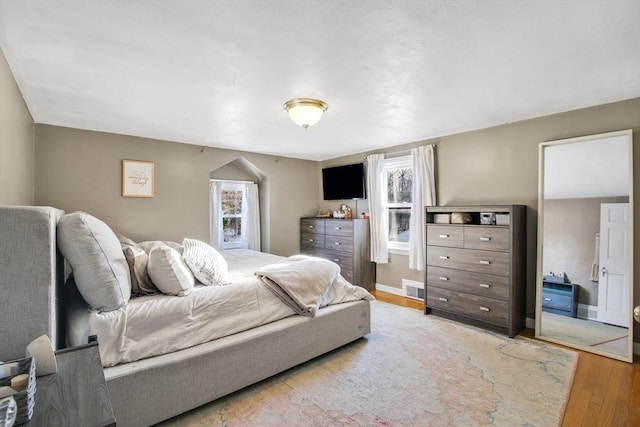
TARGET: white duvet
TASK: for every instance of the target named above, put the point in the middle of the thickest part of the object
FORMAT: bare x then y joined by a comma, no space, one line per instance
158,324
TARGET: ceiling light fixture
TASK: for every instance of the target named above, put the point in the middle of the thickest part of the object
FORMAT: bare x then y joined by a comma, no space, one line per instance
305,112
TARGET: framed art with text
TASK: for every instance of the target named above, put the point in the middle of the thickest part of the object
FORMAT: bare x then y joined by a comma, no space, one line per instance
137,178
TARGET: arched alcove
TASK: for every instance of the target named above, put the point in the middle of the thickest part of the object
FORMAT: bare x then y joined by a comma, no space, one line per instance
242,169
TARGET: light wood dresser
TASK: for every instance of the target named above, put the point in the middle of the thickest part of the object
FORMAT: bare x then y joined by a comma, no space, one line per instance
343,241
475,269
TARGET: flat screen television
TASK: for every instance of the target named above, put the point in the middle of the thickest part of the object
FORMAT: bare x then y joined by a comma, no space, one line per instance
343,182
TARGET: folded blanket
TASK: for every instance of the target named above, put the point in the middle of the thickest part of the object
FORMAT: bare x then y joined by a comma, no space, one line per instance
300,281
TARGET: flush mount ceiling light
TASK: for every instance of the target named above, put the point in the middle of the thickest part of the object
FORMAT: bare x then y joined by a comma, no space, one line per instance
305,112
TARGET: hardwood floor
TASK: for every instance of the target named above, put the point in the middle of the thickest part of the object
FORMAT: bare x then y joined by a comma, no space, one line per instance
605,392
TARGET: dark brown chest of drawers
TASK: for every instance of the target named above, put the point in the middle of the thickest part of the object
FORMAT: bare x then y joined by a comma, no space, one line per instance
345,242
475,268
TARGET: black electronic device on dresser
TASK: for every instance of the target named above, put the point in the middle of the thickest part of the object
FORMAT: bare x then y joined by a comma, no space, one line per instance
343,241
476,264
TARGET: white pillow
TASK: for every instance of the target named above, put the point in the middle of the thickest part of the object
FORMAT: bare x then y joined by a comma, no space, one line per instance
168,272
100,269
206,263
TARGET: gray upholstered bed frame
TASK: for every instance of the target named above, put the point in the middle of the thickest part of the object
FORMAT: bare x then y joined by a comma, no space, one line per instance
158,388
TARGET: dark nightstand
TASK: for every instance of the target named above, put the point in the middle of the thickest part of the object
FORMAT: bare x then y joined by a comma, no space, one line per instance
560,298
77,395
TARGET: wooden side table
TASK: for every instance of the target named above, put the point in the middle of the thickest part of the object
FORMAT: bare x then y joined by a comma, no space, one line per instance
77,395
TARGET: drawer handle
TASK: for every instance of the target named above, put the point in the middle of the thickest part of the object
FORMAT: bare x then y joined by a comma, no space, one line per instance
311,226
484,308
336,260
443,278
485,262
484,285
547,299
311,240
443,299
444,236
485,239
338,228
337,243
444,257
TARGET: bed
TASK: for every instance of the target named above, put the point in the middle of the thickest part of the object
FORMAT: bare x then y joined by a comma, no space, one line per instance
171,364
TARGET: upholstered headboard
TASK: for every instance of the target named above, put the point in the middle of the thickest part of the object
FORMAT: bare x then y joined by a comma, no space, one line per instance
31,277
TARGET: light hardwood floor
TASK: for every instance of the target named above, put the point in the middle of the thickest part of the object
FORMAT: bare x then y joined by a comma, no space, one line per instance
605,392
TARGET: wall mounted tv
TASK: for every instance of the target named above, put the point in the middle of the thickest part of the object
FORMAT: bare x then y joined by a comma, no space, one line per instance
343,182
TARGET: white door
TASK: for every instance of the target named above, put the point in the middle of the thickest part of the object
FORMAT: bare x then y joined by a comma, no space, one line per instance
613,285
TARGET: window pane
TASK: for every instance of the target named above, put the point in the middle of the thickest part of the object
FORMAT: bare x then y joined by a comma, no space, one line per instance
232,229
399,224
231,202
399,185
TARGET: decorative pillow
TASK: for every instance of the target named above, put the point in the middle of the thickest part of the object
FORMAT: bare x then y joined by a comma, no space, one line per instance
100,269
206,263
168,272
140,282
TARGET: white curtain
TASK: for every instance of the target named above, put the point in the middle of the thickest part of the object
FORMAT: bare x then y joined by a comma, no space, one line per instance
423,193
251,218
379,221
215,226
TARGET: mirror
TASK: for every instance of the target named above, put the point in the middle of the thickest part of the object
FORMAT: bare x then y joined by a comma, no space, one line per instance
584,291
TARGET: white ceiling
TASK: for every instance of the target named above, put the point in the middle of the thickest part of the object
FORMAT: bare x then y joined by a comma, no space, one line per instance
216,73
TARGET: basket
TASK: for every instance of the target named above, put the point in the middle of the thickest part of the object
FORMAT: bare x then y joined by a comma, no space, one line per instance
26,398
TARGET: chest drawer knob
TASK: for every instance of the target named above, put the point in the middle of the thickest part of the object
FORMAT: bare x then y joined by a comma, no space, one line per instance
311,240
485,239
338,228
443,278
443,299
311,226
444,236
485,262
444,257
336,243
336,260
547,299
484,285
484,308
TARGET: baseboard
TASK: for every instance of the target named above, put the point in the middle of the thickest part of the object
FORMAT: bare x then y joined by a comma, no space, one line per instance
390,289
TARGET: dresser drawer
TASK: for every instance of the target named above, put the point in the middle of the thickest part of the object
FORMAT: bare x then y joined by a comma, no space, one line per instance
439,235
309,225
469,305
343,259
312,240
339,228
486,285
338,243
487,238
469,259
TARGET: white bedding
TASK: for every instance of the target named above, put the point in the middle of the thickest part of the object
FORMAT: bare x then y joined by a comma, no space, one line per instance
158,324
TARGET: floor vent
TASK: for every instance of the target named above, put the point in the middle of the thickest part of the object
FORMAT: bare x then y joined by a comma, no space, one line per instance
588,312
413,289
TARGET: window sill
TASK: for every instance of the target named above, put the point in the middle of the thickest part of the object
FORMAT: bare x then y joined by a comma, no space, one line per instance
398,251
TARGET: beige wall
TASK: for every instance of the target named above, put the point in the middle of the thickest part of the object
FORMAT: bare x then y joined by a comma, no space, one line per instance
16,142
500,165
81,170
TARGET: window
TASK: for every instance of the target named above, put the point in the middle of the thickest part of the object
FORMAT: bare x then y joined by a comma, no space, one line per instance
399,173
232,199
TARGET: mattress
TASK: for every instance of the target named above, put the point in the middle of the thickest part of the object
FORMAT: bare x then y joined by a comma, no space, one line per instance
159,324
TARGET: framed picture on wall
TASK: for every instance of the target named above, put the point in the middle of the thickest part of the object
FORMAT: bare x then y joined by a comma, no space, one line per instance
137,178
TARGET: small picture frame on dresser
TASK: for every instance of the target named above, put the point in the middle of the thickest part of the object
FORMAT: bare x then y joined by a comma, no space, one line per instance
487,218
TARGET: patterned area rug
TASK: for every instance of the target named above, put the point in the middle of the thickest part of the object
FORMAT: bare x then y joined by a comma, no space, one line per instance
412,370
